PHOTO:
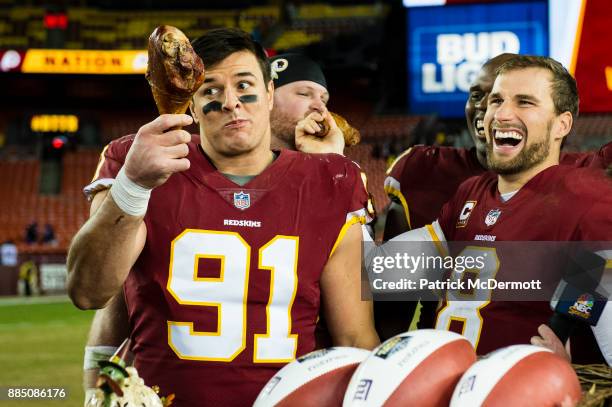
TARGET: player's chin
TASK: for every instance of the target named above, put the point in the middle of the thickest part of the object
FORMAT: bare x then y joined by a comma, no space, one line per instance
238,137
238,144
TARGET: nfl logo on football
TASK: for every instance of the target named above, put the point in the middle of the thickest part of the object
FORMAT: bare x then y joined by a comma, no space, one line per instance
242,200
492,217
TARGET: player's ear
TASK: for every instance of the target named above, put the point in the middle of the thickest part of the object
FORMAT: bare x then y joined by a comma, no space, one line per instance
192,110
270,95
564,124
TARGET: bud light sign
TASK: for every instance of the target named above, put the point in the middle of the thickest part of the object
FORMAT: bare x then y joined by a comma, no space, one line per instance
447,45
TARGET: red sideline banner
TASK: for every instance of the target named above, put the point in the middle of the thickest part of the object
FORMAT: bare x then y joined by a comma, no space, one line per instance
593,69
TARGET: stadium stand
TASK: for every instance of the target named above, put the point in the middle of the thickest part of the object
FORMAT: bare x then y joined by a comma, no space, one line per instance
22,203
110,128
381,127
590,132
92,28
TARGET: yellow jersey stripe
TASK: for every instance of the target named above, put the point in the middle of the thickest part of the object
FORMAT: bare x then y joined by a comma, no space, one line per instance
436,240
356,219
100,163
399,157
398,194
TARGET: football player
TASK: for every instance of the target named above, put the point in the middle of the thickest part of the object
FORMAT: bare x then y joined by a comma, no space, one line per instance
300,93
423,178
300,104
528,196
223,257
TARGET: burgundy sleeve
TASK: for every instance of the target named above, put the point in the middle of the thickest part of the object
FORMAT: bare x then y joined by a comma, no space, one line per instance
359,197
395,174
111,161
603,158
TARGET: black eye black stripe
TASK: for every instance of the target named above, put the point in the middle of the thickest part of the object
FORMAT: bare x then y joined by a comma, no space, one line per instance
248,98
214,106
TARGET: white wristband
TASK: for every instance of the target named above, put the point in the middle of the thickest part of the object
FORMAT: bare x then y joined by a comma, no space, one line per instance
130,197
95,354
92,396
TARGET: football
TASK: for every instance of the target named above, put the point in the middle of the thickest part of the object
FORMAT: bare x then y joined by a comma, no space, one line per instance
417,368
318,378
519,375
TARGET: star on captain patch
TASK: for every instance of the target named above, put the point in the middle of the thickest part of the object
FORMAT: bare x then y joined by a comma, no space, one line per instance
242,200
492,217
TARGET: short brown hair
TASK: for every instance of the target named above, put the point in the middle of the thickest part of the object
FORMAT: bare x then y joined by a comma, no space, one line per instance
563,84
217,44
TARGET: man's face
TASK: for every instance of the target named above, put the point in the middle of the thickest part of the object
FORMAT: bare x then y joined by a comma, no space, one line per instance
233,105
520,120
476,106
293,102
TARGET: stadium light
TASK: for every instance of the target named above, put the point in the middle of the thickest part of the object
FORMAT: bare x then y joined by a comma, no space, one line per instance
58,142
56,21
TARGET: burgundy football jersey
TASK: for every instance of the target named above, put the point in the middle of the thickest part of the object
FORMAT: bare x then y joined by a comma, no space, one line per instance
424,178
226,290
598,159
562,203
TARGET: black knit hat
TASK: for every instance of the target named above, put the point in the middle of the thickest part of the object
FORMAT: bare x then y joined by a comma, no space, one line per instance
287,68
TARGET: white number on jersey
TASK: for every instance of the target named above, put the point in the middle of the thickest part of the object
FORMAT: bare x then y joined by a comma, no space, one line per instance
229,293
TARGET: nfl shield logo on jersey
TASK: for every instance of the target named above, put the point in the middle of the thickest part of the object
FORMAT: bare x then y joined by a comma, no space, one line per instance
492,217
242,200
